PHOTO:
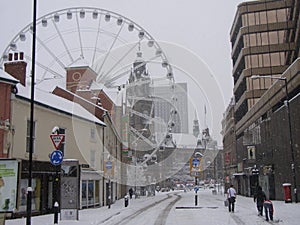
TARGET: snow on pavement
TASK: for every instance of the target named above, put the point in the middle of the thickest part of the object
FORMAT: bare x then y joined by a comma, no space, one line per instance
210,210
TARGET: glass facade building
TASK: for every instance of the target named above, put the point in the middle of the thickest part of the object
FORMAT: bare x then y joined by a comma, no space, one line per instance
260,46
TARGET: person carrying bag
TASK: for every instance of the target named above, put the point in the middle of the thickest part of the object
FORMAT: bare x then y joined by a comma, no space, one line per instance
226,202
231,196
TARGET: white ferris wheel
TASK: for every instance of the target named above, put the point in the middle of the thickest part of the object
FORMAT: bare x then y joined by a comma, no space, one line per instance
117,49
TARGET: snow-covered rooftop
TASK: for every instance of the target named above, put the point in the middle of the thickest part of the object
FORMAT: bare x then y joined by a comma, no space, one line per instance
80,62
57,102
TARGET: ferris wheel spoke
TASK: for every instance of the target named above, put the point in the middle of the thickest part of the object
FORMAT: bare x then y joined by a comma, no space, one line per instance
116,76
120,60
50,53
132,111
110,82
62,40
112,45
79,35
96,41
136,98
140,136
46,68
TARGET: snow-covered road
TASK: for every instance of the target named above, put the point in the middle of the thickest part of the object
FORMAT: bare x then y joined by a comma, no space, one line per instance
177,207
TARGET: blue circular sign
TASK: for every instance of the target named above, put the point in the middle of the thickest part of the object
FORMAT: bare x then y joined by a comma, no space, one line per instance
56,157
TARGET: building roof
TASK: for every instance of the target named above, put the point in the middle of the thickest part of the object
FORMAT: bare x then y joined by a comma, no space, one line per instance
57,103
80,62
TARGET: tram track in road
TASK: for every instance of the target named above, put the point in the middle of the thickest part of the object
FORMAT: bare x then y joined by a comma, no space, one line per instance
161,218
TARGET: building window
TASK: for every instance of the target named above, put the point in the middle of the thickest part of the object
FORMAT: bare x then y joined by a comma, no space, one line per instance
266,60
273,36
93,133
93,159
282,15
227,158
272,17
28,136
263,17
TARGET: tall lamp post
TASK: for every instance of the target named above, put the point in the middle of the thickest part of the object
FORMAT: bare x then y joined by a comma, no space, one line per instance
290,129
29,188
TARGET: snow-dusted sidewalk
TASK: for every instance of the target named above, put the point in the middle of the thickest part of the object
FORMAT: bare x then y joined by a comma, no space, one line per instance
210,211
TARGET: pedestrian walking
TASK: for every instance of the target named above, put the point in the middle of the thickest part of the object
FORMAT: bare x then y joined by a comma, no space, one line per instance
130,193
269,209
259,198
231,196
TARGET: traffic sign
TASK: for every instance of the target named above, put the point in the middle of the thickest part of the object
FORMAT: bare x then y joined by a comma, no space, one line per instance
195,166
56,157
108,165
57,140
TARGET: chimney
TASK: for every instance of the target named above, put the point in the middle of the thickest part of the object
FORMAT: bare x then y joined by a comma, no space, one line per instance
16,66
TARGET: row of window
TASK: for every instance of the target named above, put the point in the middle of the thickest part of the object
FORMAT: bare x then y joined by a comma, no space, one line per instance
265,60
265,17
264,38
262,83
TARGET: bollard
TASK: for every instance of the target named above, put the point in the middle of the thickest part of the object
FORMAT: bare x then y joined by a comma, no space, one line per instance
126,200
109,202
196,195
56,213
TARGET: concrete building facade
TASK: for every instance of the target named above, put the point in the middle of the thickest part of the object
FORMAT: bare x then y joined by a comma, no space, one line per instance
261,126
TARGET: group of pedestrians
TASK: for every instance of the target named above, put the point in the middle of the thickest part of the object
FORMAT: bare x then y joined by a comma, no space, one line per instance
262,202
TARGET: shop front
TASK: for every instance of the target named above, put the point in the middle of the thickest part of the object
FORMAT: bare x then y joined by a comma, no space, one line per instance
91,189
45,185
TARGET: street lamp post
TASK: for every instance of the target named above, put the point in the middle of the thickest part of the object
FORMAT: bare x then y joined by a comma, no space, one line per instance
29,188
290,129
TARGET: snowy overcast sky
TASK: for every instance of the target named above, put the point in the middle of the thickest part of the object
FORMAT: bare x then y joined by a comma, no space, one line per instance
199,26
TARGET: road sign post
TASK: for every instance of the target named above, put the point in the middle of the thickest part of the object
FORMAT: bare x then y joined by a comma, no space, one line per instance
195,171
56,158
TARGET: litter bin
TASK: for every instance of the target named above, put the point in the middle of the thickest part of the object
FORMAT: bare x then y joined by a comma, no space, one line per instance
287,192
126,200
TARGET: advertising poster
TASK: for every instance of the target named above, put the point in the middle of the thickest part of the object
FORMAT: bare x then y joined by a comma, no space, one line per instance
8,185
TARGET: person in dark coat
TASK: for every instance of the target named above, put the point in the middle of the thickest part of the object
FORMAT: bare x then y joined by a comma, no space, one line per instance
130,193
259,198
